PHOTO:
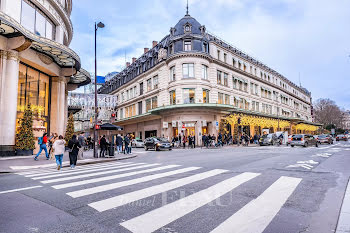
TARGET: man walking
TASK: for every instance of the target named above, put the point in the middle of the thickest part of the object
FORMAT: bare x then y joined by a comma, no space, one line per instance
103,145
42,143
81,140
119,143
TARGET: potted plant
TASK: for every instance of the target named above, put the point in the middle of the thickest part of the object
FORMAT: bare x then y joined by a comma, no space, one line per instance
25,138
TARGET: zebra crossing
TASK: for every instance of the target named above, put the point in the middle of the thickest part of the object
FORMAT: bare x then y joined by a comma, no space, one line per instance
90,180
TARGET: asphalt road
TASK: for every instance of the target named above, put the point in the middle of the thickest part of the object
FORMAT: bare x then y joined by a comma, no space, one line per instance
240,189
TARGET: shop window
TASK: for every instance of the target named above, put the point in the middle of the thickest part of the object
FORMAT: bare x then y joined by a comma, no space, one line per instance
189,96
188,70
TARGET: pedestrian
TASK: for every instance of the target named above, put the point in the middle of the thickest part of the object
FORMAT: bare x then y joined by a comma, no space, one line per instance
81,140
103,145
119,143
73,146
52,140
194,141
204,139
42,143
126,142
184,141
58,150
255,139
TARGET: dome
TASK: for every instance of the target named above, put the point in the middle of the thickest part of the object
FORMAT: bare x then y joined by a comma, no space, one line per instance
191,22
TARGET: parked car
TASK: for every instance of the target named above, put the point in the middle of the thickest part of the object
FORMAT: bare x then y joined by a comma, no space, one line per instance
304,140
157,144
137,143
341,137
289,139
324,138
269,139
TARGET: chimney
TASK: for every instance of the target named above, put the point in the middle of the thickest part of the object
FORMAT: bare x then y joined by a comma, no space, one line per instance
154,43
145,50
127,64
133,59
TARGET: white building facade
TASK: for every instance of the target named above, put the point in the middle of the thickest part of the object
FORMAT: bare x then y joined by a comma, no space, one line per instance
192,81
36,66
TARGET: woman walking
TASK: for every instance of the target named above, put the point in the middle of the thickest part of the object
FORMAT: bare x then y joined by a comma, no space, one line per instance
73,146
58,150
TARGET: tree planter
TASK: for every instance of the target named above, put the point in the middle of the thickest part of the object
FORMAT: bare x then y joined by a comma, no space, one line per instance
24,152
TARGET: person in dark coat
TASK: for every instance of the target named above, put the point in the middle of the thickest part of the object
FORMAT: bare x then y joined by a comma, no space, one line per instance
103,145
119,143
74,147
126,143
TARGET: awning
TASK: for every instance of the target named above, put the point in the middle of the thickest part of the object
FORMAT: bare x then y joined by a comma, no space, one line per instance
109,126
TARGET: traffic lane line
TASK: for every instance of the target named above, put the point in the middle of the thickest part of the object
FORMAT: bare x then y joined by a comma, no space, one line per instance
20,189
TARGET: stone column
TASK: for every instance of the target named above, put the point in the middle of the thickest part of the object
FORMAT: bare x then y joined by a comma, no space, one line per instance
9,66
58,115
198,133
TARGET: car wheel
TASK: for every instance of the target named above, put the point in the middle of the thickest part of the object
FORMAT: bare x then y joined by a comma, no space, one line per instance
316,144
292,145
306,144
146,148
170,149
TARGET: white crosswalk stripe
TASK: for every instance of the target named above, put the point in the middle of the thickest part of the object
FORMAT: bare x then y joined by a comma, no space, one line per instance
264,208
97,173
75,172
147,192
255,216
162,216
107,187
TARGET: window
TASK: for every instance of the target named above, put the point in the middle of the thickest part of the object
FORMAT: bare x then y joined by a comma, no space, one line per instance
225,79
218,54
121,113
35,21
154,102
141,88
155,82
205,96
225,57
149,84
140,107
189,96
148,104
219,77
172,74
205,47
172,97
28,16
187,45
239,65
187,28
234,83
204,72
151,103
220,98
227,99
233,62
188,70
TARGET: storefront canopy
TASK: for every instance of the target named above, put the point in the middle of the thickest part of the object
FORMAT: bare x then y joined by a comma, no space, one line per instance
109,126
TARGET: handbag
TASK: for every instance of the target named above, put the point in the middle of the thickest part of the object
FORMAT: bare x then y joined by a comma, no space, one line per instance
71,150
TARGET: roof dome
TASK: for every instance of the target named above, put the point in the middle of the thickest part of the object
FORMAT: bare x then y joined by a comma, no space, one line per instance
193,24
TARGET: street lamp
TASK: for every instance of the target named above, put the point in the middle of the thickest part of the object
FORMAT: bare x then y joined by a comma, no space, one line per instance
99,25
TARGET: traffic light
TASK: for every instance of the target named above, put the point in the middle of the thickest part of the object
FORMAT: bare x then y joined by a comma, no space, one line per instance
113,115
98,127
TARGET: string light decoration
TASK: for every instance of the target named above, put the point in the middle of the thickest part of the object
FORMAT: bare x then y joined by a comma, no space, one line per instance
306,127
263,122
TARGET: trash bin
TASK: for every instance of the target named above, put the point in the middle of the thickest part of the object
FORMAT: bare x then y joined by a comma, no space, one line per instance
111,150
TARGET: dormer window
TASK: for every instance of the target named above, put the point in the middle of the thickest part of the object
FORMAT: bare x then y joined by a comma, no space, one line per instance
187,28
187,45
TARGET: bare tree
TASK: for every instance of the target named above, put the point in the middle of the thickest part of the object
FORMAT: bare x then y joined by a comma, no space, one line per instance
327,112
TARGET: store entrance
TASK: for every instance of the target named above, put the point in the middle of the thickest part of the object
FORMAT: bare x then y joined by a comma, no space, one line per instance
189,131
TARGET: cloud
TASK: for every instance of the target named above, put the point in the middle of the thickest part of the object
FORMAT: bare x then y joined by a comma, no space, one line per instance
293,37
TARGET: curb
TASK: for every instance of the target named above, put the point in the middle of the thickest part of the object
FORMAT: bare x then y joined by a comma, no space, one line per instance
78,164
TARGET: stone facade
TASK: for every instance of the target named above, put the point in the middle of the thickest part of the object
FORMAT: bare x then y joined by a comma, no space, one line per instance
36,66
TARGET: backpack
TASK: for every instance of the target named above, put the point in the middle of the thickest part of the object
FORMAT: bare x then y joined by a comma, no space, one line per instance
40,140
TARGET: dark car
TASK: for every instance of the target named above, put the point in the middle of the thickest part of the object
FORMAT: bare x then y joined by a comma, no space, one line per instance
324,138
157,144
304,140
269,139
341,137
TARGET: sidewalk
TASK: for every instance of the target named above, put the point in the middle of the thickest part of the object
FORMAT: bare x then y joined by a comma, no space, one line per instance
20,163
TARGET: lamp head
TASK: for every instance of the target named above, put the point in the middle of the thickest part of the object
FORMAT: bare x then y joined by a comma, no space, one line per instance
100,25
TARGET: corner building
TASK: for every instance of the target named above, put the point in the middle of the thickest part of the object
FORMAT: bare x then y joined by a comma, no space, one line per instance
192,82
36,66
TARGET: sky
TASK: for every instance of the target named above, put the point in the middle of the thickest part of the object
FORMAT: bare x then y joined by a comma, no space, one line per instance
306,40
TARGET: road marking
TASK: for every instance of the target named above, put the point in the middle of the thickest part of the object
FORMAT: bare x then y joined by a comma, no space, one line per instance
97,174
306,166
257,214
73,172
344,217
46,165
95,180
147,192
20,189
107,187
308,161
164,215
324,155
78,168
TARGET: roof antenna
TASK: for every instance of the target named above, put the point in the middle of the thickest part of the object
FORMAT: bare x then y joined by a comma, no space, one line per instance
187,9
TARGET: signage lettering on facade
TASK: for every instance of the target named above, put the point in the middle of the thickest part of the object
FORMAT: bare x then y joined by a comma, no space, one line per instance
204,124
165,124
173,123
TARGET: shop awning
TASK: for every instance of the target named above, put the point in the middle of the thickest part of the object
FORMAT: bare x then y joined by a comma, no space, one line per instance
109,126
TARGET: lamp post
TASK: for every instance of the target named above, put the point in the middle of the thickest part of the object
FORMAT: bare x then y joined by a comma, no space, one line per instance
99,25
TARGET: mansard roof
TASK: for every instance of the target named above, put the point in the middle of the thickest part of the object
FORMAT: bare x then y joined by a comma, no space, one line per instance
187,20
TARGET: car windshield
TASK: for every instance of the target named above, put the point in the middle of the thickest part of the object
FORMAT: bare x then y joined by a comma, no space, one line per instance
322,136
162,139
